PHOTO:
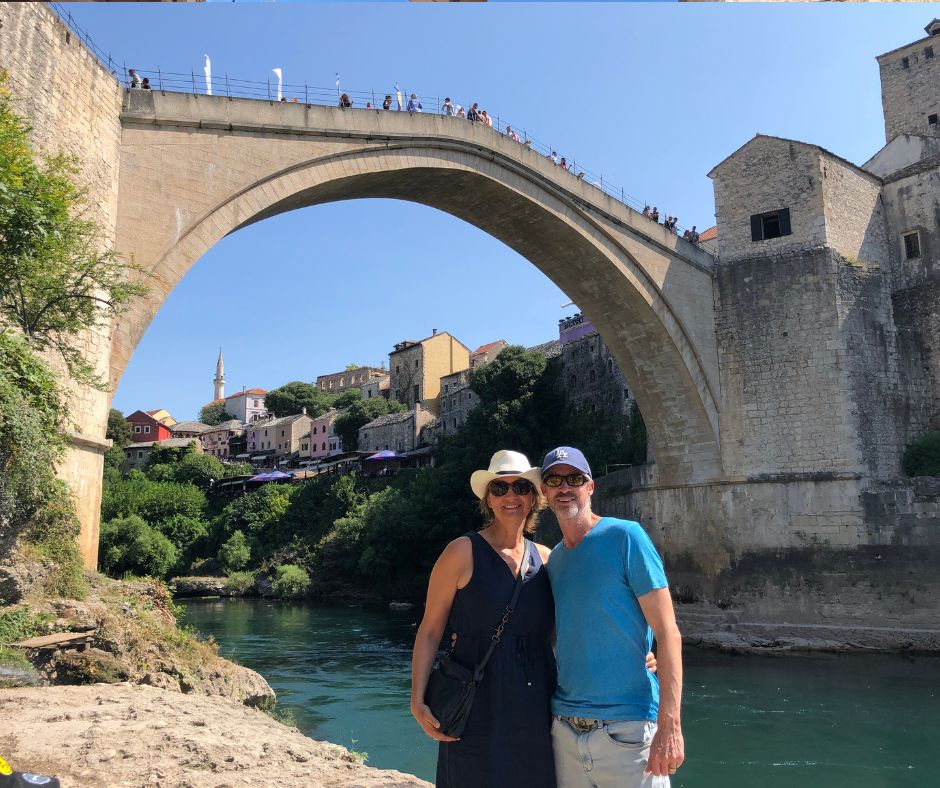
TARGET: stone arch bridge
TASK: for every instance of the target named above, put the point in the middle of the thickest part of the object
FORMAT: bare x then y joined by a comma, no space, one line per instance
195,168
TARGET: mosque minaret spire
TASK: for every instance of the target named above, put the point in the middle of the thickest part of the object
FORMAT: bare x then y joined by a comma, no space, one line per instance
219,378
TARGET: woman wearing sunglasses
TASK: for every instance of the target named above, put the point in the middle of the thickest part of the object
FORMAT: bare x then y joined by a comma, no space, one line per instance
507,738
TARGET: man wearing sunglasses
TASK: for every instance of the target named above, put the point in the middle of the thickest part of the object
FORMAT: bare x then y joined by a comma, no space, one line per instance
614,723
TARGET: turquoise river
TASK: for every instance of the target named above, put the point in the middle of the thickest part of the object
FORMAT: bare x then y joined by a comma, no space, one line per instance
865,721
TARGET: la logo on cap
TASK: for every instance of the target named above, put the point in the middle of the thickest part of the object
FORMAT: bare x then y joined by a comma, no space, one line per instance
560,454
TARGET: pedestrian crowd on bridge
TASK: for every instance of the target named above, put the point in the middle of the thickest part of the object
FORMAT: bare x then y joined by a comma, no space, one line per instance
474,115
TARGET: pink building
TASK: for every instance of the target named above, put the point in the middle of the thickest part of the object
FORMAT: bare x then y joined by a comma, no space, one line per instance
323,440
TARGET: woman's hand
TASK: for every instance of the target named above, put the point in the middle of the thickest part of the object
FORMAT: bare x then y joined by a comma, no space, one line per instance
428,722
651,662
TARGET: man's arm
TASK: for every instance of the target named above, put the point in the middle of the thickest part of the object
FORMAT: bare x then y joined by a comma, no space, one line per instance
667,751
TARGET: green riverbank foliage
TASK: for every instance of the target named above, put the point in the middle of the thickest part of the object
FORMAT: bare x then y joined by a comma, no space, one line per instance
57,281
348,536
922,458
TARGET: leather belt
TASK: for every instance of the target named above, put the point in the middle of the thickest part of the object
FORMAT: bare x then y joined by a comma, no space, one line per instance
583,724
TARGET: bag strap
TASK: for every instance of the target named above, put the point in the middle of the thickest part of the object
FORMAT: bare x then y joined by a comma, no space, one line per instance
497,635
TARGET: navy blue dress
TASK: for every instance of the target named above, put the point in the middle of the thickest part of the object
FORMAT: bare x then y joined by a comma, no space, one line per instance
507,741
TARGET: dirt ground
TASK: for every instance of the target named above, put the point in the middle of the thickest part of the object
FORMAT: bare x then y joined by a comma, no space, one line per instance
109,735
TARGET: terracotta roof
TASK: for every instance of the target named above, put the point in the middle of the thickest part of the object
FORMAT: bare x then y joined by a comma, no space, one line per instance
709,235
254,392
487,346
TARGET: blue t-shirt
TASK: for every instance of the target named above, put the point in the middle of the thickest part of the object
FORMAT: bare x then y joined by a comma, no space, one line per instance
603,636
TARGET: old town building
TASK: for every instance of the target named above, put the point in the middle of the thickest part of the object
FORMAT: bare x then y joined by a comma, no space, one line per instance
416,368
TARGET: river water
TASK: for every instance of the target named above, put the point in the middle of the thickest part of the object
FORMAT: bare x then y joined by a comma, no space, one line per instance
865,721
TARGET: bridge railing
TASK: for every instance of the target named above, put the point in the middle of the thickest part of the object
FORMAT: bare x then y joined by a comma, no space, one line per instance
362,100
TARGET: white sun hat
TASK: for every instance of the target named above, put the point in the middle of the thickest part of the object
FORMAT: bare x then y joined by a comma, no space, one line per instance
505,463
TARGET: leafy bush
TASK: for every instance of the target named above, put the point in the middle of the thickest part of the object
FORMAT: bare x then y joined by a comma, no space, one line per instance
290,582
922,458
154,501
130,545
235,553
240,582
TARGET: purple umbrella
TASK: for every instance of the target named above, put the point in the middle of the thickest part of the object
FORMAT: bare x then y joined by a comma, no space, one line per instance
271,476
383,455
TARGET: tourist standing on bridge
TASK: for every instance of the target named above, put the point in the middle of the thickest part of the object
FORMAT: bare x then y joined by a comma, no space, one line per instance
507,741
387,104
611,727
473,114
413,104
135,80
447,108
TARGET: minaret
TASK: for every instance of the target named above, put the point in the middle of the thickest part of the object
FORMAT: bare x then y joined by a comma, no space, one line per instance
219,378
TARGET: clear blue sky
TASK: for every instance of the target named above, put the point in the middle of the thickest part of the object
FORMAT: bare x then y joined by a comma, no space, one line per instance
650,95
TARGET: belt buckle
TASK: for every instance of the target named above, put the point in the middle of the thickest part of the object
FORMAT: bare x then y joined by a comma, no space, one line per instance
583,724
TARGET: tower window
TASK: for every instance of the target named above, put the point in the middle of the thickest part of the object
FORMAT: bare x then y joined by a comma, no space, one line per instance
911,245
772,224
932,119
928,52
905,62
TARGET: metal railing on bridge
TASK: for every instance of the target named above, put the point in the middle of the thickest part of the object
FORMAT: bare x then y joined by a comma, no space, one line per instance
360,100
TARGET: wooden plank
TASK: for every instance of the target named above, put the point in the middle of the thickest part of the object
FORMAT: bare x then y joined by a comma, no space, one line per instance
63,639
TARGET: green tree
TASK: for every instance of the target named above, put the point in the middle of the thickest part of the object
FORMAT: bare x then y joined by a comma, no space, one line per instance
359,413
57,278
154,501
119,429
922,457
235,553
129,544
214,413
161,455
291,398
347,398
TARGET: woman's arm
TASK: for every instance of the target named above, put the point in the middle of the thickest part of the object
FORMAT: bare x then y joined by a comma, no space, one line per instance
452,571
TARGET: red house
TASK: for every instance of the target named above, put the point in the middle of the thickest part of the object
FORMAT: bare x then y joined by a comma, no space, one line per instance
151,425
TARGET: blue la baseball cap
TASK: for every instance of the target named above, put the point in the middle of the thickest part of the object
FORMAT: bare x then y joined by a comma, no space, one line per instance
566,455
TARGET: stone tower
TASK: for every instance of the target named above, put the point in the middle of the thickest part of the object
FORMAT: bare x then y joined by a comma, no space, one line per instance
219,378
909,79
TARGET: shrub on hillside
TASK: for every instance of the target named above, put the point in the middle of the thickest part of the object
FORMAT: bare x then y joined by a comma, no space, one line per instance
922,458
240,582
235,553
290,582
130,545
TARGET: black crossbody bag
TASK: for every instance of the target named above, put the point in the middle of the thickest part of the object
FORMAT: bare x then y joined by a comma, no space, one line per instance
451,686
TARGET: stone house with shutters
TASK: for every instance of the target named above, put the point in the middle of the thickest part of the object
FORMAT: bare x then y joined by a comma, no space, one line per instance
217,441
278,439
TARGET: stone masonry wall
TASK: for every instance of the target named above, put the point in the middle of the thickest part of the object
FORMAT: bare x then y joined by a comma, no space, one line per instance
591,379
822,560
787,405
767,174
856,222
880,406
74,105
917,315
909,95
913,203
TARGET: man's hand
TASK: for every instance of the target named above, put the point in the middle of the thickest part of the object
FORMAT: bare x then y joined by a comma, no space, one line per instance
667,750
428,722
651,662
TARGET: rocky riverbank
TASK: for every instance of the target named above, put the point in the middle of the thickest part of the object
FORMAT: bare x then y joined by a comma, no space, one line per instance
104,736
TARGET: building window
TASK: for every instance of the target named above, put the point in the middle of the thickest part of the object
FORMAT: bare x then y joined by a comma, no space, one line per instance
905,62
928,52
416,363
322,447
146,428
932,119
610,365
136,428
911,245
397,369
772,224
593,376
416,393
140,455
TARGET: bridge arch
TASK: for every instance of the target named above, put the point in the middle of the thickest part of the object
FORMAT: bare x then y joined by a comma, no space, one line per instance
638,292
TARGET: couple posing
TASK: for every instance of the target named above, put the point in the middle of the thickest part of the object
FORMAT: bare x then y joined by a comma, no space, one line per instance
601,594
